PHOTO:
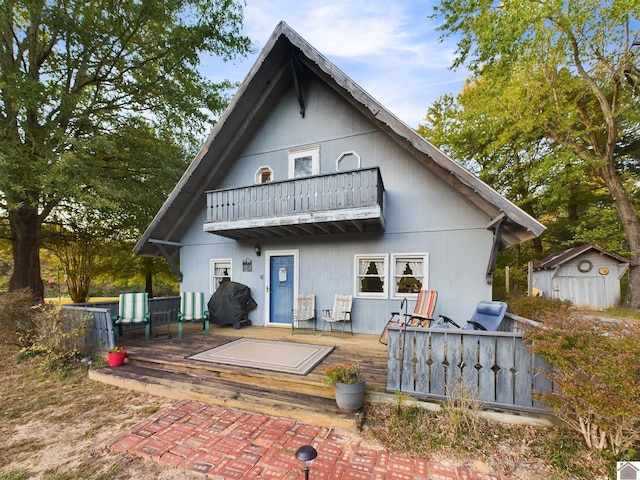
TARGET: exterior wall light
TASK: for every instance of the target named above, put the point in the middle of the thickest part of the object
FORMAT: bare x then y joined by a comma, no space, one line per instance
258,250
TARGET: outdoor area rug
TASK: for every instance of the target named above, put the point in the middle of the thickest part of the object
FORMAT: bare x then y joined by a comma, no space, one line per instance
286,357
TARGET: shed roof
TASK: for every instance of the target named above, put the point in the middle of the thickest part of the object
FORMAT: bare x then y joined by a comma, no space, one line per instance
556,259
269,79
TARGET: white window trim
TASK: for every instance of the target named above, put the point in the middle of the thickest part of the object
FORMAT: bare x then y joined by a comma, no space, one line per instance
312,151
350,153
258,176
385,275
392,276
212,266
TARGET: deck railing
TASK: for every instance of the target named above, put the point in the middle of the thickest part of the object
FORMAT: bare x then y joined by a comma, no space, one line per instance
352,189
163,310
498,366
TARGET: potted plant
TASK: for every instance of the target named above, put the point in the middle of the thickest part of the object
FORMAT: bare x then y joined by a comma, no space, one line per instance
116,356
348,383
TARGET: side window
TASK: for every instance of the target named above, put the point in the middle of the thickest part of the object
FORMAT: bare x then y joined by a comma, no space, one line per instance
371,276
348,161
220,272
410,274
304,162
264,175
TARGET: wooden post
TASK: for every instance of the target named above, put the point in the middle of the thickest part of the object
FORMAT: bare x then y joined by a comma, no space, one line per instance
506,279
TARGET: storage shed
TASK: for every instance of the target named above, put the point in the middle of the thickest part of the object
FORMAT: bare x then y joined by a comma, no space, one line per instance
587,276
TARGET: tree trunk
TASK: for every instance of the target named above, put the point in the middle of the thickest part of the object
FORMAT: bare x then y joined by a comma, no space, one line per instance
25,239
631,225
148,275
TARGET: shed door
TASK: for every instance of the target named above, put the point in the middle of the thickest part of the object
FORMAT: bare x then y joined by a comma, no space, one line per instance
281,289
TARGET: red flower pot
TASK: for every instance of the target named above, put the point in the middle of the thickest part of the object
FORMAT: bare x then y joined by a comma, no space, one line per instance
116,359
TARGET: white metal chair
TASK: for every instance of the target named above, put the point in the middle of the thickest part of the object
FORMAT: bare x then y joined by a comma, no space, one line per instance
341,313
304,312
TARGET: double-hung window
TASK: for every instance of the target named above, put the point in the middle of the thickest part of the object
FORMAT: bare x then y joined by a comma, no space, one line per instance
220,272
371,276
410,274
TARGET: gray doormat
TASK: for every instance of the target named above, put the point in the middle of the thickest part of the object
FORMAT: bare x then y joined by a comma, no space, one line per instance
287,357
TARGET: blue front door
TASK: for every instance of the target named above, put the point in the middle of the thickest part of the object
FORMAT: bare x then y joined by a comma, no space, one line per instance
281,283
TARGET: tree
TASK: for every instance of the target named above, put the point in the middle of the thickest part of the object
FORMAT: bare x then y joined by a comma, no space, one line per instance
580,61
79,83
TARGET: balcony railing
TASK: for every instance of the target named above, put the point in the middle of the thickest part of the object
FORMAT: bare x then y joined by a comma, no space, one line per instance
343,202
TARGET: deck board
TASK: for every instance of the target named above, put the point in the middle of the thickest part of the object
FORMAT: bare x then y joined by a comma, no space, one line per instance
160,366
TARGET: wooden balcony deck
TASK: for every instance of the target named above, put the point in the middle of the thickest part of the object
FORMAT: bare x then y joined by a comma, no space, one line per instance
160,367
343,202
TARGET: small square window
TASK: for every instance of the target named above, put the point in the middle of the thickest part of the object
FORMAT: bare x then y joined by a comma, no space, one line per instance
410,274
304,162
371,276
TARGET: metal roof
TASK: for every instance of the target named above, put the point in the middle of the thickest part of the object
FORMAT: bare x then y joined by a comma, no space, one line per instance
556,259
267,81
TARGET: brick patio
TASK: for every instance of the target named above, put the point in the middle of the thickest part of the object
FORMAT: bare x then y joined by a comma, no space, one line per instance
220,442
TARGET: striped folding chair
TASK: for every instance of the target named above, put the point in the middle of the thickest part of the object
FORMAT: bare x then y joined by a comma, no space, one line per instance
133,308
422,315
193,309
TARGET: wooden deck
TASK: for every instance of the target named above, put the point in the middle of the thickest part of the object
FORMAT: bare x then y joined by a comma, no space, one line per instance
159,366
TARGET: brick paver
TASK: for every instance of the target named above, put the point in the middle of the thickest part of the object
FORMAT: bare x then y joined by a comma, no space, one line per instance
225,443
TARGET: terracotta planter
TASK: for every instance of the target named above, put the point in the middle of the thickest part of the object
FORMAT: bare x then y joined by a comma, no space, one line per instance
350,396
116,359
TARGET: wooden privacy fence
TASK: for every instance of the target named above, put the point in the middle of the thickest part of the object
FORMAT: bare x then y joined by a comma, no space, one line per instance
427,362
163,310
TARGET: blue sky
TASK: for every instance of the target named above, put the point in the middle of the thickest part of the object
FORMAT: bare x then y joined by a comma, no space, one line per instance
389,47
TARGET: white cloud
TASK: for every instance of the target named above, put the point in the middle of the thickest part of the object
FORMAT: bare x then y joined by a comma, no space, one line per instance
389,48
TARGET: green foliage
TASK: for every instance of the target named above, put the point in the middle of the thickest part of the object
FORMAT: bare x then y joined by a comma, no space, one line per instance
536,308
595,367
342,373
98,109
550,116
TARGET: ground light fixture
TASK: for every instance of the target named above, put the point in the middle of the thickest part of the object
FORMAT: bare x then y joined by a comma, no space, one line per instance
305,454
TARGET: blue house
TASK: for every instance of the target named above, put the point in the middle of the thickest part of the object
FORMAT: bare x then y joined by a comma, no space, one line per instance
308,185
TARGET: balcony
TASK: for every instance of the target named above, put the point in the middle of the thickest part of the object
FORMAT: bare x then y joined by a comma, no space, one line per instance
344,202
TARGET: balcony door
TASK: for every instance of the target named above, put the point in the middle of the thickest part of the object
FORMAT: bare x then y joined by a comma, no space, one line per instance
282,285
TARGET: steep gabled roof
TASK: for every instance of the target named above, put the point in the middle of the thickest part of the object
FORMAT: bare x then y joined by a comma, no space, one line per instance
270,78
556,259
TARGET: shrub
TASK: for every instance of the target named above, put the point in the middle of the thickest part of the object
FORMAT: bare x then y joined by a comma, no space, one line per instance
536,308
59,341
18,318
595,368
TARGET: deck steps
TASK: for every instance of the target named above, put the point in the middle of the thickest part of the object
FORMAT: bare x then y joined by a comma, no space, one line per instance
268,398
162,367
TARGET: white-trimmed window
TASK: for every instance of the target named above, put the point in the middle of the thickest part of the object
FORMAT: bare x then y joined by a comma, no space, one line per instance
220,272
410,274
304,161
371,276
264,175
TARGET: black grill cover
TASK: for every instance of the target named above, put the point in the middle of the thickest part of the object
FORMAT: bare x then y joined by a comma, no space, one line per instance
230,304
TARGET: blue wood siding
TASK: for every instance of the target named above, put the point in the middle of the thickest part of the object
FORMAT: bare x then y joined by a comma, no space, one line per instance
422,214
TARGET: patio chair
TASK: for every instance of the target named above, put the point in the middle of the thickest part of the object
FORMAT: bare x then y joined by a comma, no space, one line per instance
422,315
133,308
193,309
341,313
304,312
488,316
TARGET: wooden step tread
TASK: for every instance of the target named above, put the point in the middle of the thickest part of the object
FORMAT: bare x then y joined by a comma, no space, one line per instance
259,398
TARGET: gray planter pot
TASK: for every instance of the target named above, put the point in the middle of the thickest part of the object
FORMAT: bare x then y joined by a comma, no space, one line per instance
350,396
